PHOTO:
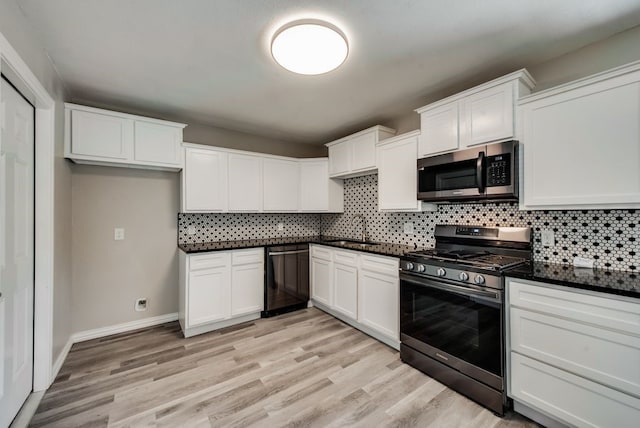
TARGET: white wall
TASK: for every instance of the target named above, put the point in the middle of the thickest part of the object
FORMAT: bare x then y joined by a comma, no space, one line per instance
17,31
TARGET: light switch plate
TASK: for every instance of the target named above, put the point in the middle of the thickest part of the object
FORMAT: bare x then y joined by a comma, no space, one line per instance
191,230
118,234
408,228
548,238
280,227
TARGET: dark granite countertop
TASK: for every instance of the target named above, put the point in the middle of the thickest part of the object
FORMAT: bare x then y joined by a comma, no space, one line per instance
384,249
606,281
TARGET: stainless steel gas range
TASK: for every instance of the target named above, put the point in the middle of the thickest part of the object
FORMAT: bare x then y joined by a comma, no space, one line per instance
452,308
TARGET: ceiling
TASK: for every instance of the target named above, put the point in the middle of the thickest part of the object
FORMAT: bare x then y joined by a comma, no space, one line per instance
208,62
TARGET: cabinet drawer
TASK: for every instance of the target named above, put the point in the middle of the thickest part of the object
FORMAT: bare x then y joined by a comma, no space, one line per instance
206,261
570,398
243,257
345,257
321,252
573,305
387,265
602,355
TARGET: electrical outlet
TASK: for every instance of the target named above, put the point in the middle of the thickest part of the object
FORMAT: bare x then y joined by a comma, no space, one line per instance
280,227
191,230
141,304
548,238
408,228
118,234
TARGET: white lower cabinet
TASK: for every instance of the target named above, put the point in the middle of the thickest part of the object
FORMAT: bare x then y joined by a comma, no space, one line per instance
321,276
219,289
573,356
358,288
345,283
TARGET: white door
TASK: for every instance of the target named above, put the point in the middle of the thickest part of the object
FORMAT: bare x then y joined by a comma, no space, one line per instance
16,251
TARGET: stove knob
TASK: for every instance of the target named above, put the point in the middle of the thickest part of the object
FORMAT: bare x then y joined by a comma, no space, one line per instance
420,268
479,279
441,272
408,266
463,276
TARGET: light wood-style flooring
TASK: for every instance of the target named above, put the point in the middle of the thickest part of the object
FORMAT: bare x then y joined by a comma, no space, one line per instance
302,369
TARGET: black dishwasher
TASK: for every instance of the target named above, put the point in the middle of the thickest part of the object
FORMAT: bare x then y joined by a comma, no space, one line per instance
287,282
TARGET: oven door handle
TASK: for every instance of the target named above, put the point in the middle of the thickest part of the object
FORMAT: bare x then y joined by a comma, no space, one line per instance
490,296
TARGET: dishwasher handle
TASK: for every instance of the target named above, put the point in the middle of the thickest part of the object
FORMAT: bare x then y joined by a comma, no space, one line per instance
284,253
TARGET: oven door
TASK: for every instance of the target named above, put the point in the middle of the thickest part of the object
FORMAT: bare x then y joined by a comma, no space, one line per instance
457,325
452,176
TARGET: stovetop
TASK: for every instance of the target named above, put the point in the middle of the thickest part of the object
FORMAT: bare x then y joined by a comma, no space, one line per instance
478,258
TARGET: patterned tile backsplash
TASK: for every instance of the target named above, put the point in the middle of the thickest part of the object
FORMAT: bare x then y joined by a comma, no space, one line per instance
229,227
611,237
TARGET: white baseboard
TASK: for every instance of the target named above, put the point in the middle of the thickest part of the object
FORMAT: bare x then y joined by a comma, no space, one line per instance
96,333
57,365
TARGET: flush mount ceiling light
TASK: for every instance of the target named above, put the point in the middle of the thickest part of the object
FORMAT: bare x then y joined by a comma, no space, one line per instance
309,47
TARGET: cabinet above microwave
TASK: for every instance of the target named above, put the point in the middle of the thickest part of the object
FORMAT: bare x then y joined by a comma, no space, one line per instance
480,115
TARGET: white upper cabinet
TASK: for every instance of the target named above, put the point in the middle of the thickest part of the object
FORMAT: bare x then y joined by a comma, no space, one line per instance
102,137
355,154
158,144
581,143
439,128
225,180
204,181
483,114
318,192
281,179
245,183
398,175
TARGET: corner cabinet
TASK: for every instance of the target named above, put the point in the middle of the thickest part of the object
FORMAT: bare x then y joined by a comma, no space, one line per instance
318,192
102,137
220,289
573,357
360,289
483,114
398,175
581,143
355,155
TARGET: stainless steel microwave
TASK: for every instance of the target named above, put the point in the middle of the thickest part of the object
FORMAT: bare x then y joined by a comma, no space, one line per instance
479,174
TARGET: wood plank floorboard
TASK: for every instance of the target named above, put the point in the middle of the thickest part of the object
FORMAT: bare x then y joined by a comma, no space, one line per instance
302,369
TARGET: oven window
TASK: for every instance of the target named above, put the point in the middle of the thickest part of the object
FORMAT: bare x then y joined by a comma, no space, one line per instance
465,327
451,176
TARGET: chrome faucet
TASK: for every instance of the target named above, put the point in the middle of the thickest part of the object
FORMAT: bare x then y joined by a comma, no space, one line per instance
363,220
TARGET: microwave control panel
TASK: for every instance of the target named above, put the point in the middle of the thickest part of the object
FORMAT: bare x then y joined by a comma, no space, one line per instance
498,170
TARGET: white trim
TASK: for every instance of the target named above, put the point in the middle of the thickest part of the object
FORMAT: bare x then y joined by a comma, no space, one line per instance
61,358
44,221
96,333
147,119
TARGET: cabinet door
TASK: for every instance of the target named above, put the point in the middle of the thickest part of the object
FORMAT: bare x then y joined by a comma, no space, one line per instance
101,136
345,289
247,288
157,144
363,152
245,183
204,180
208,296
581,147
314,186
321,281
397,175
339,159
281,179
379,302
439,130
487,116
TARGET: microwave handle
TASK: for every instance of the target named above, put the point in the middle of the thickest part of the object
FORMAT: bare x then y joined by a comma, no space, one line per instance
480,172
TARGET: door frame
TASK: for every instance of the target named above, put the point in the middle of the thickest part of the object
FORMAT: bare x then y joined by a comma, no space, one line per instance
14,67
